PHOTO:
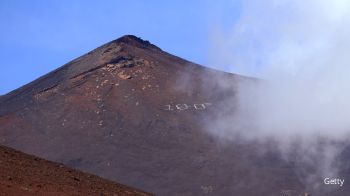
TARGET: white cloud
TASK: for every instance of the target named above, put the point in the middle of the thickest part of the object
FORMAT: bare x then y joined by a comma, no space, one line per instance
302,50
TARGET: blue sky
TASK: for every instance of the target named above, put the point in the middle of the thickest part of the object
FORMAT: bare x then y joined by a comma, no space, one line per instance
38,36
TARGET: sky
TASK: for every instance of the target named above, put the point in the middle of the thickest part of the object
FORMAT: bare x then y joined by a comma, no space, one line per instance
39,36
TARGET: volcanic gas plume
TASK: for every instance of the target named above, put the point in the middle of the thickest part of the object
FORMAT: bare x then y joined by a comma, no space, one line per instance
301,104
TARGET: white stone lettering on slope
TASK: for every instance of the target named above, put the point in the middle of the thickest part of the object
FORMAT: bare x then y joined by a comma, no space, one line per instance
184,106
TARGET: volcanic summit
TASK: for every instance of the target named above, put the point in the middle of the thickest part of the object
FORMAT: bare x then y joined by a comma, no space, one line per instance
132,113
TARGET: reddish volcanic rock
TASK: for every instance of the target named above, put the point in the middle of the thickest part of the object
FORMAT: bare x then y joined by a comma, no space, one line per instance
22,174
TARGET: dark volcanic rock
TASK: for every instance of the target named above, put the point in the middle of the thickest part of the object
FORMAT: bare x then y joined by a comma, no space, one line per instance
132,113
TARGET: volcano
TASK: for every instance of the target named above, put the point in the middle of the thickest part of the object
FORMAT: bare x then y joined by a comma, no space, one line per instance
133,113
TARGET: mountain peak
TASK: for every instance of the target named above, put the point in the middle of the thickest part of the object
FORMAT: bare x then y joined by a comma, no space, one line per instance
135,41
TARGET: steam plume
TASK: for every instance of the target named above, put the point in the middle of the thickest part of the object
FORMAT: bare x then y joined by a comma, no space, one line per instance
301,50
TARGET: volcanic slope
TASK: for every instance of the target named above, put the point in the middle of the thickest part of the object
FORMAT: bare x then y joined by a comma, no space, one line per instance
130,112
23,174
